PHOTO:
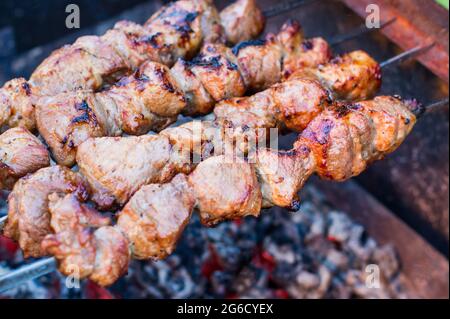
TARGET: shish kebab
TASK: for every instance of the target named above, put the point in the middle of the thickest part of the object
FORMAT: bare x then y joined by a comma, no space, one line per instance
12,168
22,153
68,120
339,76
66,184
92,62
116,168
175,31
338,144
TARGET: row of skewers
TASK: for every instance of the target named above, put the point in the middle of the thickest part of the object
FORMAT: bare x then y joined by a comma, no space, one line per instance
81,110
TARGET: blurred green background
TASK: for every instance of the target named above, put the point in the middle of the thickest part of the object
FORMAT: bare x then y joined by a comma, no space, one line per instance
443,3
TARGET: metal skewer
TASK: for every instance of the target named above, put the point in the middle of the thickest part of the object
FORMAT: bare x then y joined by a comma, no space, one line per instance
435,105
28,272
2,223
361,30
405,55
285,7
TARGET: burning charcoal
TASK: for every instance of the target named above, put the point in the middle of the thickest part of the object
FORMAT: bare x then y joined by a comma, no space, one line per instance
304,283
339,226
229,256
249,278
180,285
325,281
221,282
283,274
339,289
282,253
386,258
313,253
359,244
338,259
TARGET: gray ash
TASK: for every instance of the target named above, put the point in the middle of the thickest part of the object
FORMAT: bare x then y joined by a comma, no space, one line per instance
315,252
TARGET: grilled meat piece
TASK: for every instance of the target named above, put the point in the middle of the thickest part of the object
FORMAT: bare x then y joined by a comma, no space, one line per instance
243,195
298,51
28,215
17,105
353,76
242,20
291,104
345,139
337,145
155,217
218,72
65,121
174,31
21,153
117,167
282,174
101,255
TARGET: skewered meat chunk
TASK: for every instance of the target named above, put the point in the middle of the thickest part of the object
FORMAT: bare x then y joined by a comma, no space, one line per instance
101,255
282,174
117,167
65,121
17,104
337,145
291,104
242,20
68,217
242,197
28,215
112,256
93,62
298,51
218,72
155,217
346,139
21,153
86,63
172,32
353,76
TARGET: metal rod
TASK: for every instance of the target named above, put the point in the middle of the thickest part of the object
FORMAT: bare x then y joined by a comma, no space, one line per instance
358,31
437,104
405,55
2,223
285,7
23,274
